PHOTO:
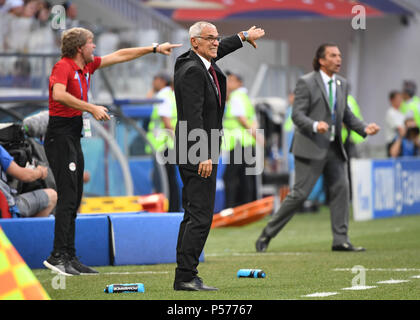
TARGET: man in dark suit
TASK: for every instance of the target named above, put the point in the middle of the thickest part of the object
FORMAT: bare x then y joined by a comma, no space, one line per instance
200,91
319,110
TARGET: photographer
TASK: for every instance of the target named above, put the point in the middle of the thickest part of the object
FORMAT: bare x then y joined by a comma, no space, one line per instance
37,203
407,143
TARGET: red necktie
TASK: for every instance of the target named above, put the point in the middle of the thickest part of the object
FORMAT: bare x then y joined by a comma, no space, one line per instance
216,82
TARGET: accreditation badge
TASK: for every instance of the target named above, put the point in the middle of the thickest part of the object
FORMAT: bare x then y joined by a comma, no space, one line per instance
332,136
86,127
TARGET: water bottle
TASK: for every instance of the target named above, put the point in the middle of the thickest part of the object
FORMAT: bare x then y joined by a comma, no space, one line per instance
124,288
251,273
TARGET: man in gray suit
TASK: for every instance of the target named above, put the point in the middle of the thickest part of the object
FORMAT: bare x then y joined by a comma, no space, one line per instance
319,109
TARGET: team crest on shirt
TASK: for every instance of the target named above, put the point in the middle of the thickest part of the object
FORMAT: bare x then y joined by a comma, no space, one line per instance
72,166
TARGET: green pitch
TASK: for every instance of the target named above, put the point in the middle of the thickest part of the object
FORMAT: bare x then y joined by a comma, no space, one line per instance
298,262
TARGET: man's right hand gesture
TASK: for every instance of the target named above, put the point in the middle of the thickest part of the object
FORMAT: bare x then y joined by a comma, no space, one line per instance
322,127
254,34
99,112
205,168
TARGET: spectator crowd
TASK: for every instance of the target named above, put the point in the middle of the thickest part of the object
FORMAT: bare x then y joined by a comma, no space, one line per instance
25,27
402,122
32,26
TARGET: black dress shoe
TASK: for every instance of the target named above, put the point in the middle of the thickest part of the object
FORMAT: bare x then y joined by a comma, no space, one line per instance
347,247
195,284
262,243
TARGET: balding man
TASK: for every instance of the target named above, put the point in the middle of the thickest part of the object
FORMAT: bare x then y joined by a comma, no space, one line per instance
200,91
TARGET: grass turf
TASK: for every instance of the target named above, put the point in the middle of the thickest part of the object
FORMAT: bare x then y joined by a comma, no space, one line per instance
298,262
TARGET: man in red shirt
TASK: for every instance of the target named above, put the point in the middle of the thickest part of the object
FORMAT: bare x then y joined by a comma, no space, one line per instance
68,99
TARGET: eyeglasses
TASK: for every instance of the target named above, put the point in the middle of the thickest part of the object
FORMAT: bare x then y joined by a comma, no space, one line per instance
211,39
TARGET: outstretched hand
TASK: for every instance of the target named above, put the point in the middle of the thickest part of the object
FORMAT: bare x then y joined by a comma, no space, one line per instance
255,33
166,48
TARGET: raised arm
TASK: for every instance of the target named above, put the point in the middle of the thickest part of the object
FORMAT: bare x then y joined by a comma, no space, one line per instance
129,54
228,45
232,43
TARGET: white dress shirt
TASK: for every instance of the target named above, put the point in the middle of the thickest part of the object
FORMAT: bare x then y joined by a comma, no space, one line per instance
207,64
326,79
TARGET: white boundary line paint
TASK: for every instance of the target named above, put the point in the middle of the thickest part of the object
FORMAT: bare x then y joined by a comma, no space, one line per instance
392,281
381,269
126,273
359,288
239,254
320,294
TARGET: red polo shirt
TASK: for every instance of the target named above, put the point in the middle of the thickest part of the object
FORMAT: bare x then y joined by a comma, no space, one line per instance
65,71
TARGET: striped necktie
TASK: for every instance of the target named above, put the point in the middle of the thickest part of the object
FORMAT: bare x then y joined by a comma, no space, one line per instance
216,82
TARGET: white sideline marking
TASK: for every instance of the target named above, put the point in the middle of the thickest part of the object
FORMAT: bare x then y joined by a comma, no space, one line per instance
380,269
359,288
135,272
392,281
321,294
256,254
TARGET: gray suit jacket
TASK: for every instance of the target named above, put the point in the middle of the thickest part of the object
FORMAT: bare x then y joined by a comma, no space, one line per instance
311,104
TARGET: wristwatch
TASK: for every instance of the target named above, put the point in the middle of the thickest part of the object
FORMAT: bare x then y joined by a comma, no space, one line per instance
246,35
155,45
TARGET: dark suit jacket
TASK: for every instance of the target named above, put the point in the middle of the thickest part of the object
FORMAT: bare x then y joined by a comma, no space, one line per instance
198,105
311,104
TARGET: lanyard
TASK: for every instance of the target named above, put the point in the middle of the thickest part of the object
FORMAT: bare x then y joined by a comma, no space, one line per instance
80,84
333,112
86,121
